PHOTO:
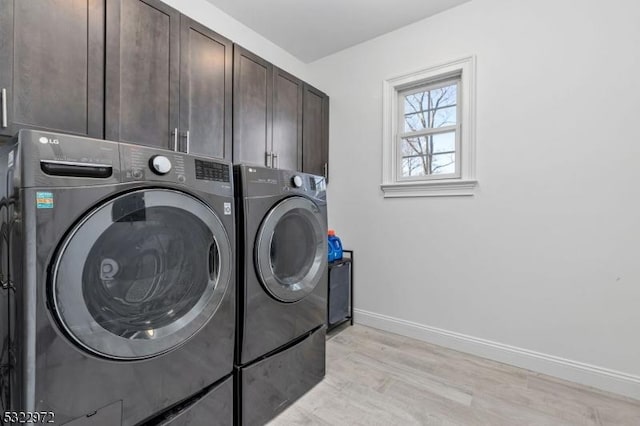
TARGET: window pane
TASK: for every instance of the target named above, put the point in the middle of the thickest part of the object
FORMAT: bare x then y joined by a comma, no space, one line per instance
443,164
416,112
413,166
443,117
423,145
416,122
444,142
428,155
430,108
416,102
414,146
444,96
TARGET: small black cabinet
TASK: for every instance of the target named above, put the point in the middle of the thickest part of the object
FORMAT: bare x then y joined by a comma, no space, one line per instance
340,295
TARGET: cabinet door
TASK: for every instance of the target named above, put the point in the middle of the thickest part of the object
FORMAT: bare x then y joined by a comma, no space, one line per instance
252,92
205,90
142,72
52,66
315,132
287,120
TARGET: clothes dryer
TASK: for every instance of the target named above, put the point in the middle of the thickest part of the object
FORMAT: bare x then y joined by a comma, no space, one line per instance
282,288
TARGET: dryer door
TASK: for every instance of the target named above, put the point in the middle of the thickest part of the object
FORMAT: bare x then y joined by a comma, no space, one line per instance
141,274
291,249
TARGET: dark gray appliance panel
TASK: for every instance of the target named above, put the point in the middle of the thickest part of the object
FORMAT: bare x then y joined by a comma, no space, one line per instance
269,386
214,409
111,415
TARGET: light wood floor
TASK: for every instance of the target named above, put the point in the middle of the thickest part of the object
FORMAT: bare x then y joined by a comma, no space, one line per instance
379,378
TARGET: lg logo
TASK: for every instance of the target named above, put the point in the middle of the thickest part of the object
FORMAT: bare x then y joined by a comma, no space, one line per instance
44,140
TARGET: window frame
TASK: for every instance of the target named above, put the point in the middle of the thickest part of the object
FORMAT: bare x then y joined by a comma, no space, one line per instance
463,181
400,134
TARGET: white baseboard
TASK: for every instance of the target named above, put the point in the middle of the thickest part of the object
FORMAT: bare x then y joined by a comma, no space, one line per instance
574,371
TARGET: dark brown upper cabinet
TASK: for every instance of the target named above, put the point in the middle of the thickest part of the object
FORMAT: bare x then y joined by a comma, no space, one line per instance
206,60
138,71
168,80
286,146
252,108
267,120
315,132
268,116
51,66
142,73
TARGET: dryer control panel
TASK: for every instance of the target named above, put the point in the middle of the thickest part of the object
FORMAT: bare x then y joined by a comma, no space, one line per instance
302,183
263,181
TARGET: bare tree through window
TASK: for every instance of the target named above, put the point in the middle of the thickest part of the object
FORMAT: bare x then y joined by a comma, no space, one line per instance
428,130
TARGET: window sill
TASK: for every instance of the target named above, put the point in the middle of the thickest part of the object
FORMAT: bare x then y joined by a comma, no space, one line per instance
435,188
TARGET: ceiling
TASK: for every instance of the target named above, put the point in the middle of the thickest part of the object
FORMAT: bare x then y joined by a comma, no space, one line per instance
312,29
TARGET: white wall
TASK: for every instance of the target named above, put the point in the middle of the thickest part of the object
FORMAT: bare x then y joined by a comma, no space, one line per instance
212,17
546,256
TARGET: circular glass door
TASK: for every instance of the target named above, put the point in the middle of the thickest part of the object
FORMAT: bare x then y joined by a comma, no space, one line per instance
141,274
291,249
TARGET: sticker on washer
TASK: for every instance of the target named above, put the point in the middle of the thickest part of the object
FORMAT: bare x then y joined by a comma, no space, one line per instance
227,209
44,200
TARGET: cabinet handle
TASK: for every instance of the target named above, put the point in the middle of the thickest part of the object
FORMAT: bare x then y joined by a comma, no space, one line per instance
326,170
276,160
175,139
268,159
4,107
187,141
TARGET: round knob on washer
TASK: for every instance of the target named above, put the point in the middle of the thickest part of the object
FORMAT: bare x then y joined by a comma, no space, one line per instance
297,181
160,164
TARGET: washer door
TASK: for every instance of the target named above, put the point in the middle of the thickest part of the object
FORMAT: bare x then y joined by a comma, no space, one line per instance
291,249
141,274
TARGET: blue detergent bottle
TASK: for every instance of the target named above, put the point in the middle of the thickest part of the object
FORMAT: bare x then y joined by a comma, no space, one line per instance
335,246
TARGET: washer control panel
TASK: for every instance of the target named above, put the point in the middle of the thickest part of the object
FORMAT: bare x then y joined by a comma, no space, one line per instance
146,163
210,170
160,164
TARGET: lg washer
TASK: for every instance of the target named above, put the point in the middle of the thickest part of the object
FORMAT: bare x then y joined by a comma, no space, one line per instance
118,275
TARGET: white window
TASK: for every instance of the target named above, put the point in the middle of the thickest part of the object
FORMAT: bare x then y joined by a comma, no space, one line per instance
429,132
